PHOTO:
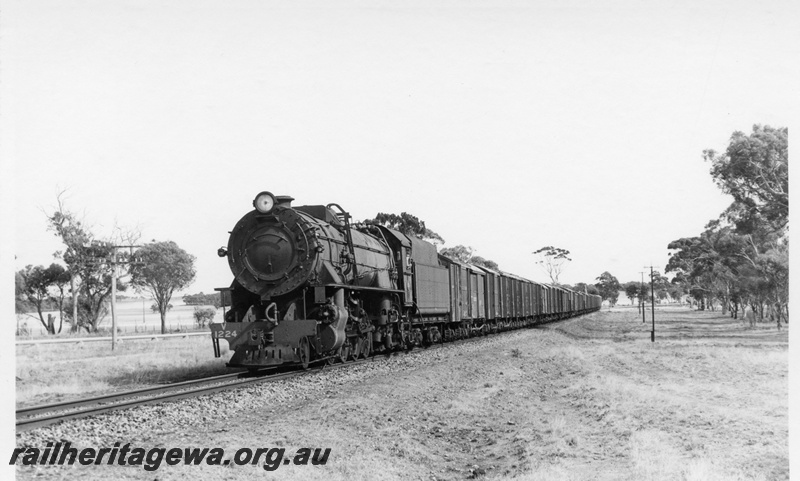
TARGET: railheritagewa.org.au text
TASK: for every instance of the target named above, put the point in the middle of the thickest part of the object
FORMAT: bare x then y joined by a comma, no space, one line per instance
151,459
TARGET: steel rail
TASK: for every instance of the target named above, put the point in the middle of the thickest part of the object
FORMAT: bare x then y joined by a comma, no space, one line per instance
45,408
37,416
28,418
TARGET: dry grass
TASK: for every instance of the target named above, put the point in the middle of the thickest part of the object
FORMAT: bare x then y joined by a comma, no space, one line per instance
589,398
58,372
603,403
706,401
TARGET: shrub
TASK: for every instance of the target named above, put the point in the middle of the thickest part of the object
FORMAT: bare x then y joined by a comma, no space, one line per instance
204,315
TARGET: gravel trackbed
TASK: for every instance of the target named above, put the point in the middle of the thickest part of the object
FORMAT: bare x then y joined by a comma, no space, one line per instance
588,398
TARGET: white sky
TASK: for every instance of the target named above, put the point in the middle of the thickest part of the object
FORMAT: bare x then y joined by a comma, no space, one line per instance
506,126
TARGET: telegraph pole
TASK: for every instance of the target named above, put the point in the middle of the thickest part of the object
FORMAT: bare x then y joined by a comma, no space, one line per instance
114,300
116,261
652,305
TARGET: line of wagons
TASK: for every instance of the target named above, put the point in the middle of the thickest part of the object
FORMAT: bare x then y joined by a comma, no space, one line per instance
478,298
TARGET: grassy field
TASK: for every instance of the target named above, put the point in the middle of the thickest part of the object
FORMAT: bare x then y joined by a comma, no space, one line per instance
707,400
587,398
58,372
673,323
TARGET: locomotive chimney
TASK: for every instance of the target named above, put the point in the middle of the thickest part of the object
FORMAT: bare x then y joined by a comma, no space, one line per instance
284,200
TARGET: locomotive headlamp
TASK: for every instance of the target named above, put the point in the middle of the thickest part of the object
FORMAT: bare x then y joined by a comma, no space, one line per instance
264,202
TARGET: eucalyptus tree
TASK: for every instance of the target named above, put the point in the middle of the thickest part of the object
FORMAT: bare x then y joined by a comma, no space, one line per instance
587,288
609,287
742,258
553,260
458,253
75,236
708,264
488,263
631,290
162,268
90,264
465,254
34,284
754,169
406,223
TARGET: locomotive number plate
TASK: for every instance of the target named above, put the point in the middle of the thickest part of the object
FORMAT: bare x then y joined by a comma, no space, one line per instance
223,334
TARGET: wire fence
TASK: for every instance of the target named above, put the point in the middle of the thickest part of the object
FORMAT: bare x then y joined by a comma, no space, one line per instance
133,317
107,339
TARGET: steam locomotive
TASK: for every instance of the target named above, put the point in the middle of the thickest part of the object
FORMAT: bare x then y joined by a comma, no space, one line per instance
311,286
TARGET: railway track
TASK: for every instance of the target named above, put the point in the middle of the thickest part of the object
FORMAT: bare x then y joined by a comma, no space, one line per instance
45,414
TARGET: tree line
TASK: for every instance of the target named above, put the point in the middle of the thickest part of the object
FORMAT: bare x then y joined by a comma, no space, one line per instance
551,259
411,225
741,259
79,287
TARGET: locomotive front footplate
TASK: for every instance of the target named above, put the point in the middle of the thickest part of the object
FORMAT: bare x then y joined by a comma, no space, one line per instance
263,343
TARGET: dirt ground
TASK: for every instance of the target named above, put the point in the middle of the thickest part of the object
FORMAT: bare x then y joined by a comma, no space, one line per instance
588,398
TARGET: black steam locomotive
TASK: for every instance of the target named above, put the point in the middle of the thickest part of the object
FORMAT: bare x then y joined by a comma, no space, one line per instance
309,285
